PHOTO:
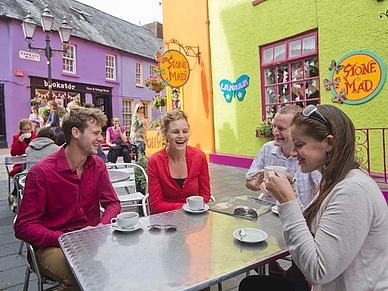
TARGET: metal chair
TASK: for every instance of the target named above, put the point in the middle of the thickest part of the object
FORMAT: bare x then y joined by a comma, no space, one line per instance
131,197
19,181
44,283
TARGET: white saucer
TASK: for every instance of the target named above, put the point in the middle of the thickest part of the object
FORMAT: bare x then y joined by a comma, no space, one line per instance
136,227
252,235
275,209
186,208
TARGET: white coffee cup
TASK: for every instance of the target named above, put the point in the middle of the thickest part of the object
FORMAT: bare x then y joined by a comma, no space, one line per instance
27,134
195,202
282,170
126,219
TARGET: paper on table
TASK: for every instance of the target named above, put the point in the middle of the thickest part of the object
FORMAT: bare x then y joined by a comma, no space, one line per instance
227,205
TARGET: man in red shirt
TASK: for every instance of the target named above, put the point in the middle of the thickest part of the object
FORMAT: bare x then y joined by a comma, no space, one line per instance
64,192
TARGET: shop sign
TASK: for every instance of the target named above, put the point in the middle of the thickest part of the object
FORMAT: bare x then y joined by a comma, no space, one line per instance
237,89
154,142
70,86
29,56
358,75
174,68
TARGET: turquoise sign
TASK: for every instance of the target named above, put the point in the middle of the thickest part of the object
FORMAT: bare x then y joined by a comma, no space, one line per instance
237,89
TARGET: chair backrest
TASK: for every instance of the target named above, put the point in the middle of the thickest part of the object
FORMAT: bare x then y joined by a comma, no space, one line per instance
20,182
129,168
129,185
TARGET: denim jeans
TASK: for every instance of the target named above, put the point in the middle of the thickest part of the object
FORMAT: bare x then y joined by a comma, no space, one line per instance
140,148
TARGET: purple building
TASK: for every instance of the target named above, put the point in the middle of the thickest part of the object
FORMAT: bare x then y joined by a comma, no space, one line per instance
106,63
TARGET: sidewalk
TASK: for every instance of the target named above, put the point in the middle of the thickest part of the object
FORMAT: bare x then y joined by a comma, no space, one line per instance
225,181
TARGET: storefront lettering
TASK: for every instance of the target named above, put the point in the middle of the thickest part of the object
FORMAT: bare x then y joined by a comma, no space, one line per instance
58,85
101,90
154,142
361,75
174,68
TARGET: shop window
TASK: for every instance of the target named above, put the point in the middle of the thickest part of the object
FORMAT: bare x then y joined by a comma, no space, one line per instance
69,60
110,67
152,71
290,73
128,105
139,74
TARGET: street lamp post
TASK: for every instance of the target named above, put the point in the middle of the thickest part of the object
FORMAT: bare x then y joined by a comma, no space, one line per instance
47,20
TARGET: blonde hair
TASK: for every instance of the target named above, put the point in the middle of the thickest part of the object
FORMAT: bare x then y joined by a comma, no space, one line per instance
174,115
136,109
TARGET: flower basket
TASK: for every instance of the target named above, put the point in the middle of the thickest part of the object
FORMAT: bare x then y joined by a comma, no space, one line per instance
156,87
269,136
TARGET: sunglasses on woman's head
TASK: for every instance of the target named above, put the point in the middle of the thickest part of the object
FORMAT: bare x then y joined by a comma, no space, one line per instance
313,112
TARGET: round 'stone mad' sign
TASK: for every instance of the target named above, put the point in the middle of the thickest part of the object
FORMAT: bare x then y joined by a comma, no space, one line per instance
174,68
361,76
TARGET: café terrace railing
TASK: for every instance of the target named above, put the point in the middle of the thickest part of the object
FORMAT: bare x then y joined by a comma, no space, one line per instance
372,150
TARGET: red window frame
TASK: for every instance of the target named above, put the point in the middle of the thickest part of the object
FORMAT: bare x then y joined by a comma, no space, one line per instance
305,79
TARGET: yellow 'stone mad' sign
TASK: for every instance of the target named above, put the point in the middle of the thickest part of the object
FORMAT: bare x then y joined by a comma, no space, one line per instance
174,68
361,76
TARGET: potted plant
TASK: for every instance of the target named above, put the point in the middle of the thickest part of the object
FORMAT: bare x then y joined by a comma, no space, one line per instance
155,124
139,177
155,83
265,129
159,101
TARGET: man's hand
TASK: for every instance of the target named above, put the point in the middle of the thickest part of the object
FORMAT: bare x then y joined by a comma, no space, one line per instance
256,179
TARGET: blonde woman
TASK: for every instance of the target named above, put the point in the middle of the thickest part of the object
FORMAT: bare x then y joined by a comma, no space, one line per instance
178,171
139,127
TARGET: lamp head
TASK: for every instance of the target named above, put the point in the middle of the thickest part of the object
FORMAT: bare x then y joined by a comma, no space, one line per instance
28,26
65,31
47,20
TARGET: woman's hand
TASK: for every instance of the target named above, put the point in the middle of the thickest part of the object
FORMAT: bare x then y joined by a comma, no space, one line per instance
21,138
279,187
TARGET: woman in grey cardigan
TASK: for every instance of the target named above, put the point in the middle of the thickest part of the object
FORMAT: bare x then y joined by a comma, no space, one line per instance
340,242
41,147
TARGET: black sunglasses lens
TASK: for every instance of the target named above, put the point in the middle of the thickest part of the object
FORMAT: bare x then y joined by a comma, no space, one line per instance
167,227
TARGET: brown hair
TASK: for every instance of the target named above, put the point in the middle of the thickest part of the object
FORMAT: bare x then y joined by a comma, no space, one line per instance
171,116
112,121
340,160
78,117
48,132
23,122
54,104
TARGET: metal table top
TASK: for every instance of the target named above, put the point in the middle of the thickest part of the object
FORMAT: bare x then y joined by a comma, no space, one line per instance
117,176
15,160
201,253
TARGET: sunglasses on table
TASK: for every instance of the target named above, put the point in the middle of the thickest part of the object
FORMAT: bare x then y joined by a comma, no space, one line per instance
167,227
241,211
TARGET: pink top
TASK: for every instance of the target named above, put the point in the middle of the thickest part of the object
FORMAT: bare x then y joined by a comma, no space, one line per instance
56,201
165,193
114,136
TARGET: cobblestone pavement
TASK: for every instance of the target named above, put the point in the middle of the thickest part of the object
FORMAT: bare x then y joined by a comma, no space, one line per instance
225,181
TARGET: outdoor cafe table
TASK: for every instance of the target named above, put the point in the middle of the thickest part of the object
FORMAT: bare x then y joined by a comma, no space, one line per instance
10,161
200,253
117,176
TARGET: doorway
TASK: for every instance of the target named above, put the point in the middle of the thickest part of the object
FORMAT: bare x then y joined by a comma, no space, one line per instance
103,102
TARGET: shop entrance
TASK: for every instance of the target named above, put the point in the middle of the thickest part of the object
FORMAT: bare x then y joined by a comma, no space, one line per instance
3,134
104,103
